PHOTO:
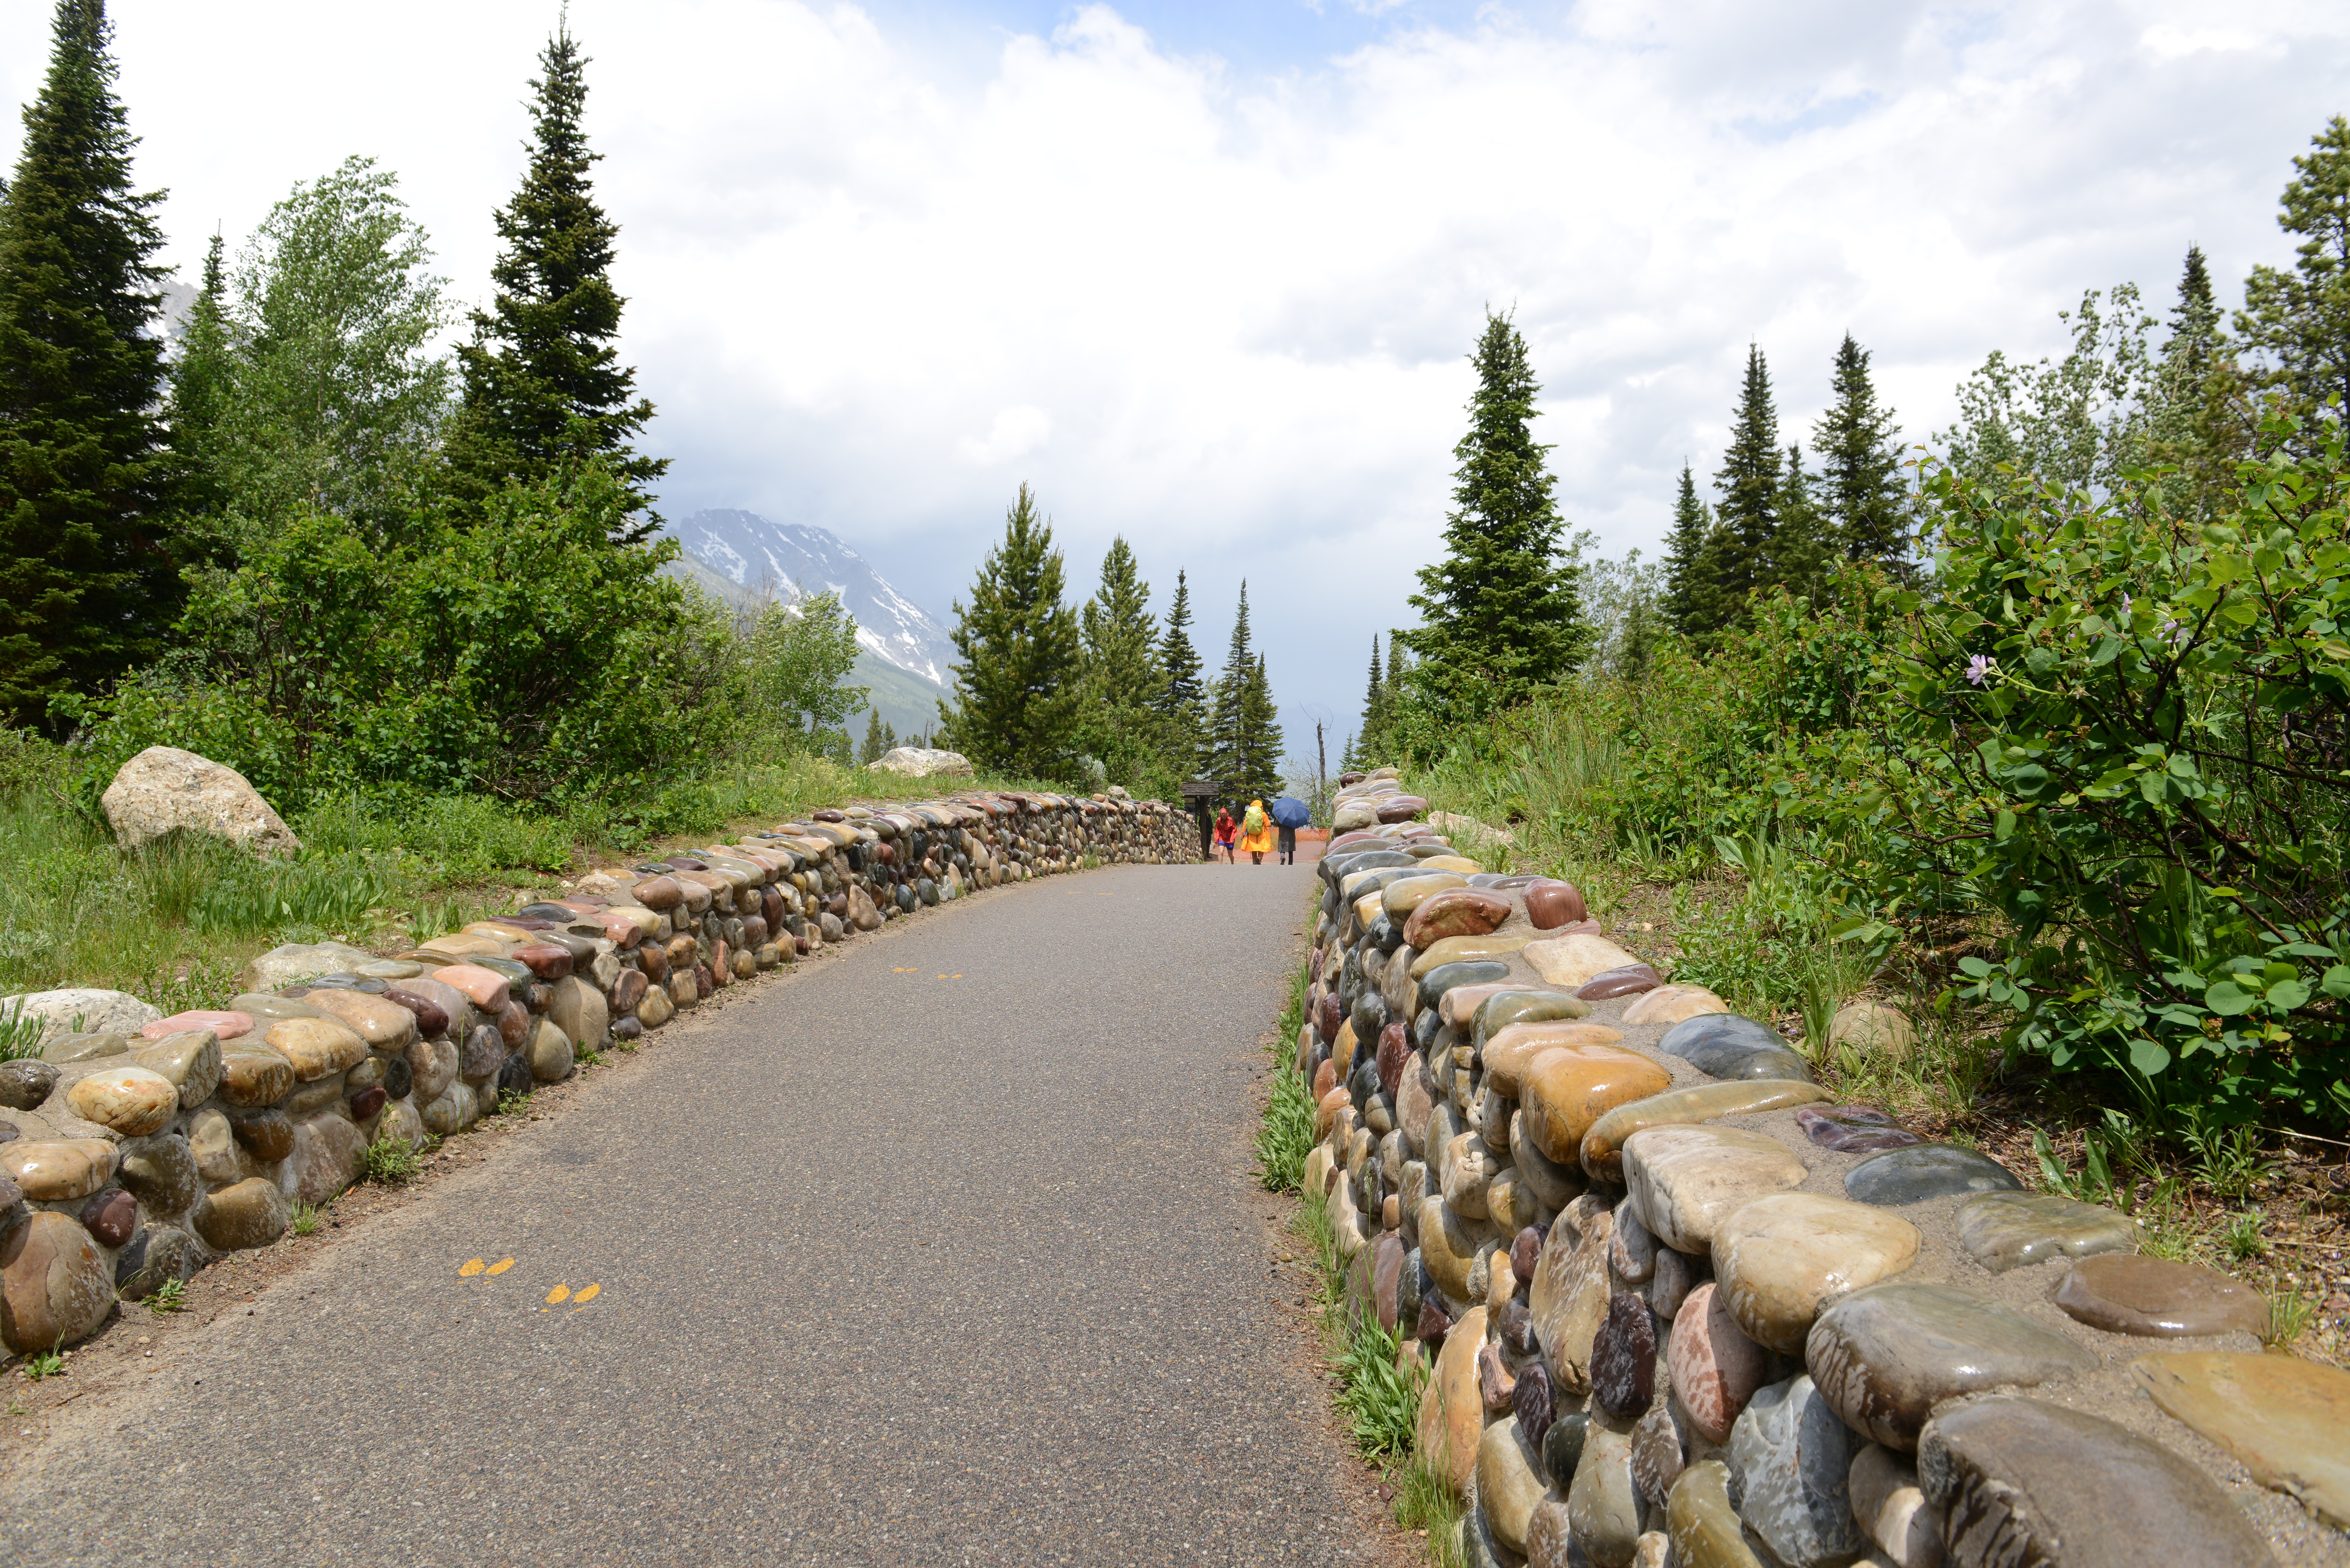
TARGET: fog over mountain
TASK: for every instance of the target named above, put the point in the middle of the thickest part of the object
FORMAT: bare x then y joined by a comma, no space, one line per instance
789,559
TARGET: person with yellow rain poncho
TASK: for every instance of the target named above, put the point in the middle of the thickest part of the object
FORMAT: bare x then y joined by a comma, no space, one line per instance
1256,833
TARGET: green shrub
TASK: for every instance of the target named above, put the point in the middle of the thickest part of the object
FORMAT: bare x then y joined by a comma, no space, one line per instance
389,1160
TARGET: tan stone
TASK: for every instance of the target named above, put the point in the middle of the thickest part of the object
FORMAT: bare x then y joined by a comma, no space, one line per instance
1459,1004
316,1047
1451,1407
1461,949
1509,1482
655,1008
164,789
1511,1051
1685,1181
1576,959
253,1073
251,1213
191,1059
2285,1418
1778,1260
1553,1184
1448,1248
1891,1510
384,1025
130,1101
1603,1145
54,1285
326,1151
1705,1529
1673,1004
53,1170
1568,1296
1566,1089
1405,895
1875,1028
1603,1509
1468,1167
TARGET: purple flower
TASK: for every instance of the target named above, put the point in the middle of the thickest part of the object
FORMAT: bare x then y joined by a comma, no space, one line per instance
1980,667
2125,607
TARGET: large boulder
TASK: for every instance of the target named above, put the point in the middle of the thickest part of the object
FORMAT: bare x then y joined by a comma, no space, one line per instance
915,762
164,788
80,1010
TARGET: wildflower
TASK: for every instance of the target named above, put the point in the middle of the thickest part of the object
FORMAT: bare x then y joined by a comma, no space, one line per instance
1980,667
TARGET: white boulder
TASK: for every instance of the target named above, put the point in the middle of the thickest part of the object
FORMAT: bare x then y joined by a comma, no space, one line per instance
163,789
80,1009
915,762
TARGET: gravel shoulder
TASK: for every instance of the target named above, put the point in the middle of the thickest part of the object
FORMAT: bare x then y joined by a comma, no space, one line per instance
944,1249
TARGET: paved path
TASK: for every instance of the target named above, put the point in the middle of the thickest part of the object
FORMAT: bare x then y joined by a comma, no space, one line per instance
894,1270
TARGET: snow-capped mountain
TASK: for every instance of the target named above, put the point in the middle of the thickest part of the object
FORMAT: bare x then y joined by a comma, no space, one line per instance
784,558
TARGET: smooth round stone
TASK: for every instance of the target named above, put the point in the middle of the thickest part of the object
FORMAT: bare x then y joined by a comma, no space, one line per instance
51,1170
1511,1054
253,1073
2154,1298
515,1075
1928,1170
268,1133
1854,1129
25,1084
660,892
1777,1259
1674,1004
2282,1416
1891,1510
1508,1482
1402,898
1452,1412
1453,912
1530,1400
1659,1453
1602,1147
163,1172
264,1010
513,1025
1714,1366
131,1101
1727,1045
1632,1249
1793,1458
1630,981
1505,1007
1562,1449
1575,957
1705,1529
1570,1290
110,1217
367,1102
155,1255
431,1017
1550,904
385,1024
65,1050
550,1053
1686,1180
251,1213
390,970
54,1285
2023,1483
484,1050
1624,1357
2003,1231
1886,1356
190,1059
1436,982
1678,1273
316,1047
1493,947
1566,1090
1603,1510
226,1025
517,974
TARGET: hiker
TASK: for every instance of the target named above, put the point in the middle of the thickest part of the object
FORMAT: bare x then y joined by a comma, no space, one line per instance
1289,814
1226,830
1256,833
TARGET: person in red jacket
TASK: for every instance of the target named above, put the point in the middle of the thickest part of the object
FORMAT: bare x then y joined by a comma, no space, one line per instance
1227,833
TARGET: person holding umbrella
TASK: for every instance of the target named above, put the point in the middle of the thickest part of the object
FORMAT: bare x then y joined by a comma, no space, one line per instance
1290,814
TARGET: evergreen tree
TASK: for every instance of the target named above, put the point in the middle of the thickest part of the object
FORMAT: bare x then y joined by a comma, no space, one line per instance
2201,416
1737,558
1122,676
1685,558
1800,546
1860,495
2299,321
878,740
1374,713
1017,688
1501,614
1256,773
203,383
543,385
1182,708
1245,743
87,584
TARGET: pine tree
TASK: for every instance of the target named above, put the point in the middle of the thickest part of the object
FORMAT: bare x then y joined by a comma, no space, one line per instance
1182,708
1860,493
876,744
1374,713
1232,747
1501,614
203,382
1801,546
1684,556
543,385
2299,321
1122,677
1017,688
2200,419
1737,558
1257,771
86,583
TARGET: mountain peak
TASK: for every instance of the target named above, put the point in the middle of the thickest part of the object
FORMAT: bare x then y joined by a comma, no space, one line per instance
787,559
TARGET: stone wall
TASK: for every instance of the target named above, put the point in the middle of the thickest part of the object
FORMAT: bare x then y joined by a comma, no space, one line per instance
138,1147
1677,1306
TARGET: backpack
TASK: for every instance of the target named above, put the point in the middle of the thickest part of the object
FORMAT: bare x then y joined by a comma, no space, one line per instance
1252,824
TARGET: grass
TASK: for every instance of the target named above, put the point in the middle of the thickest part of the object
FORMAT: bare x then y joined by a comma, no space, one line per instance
512,1101
390,1161
20,1035
42,1364
1286,1135
305,1219
170,1296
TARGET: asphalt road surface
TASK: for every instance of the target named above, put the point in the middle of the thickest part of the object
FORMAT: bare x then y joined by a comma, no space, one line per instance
888,1268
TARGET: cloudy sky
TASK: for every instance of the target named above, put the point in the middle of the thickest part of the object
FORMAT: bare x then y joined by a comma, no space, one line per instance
1204,271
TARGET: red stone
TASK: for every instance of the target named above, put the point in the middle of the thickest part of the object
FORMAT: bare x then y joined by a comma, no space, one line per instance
654,959
514,1025
1553,904
1401,807
432,1018
1395,1050
1455,912
366,1102
627,990
659,893
110,1217
1626,981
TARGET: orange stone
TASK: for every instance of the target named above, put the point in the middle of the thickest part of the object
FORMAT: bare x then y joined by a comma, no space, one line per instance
1566,1090
1510,1052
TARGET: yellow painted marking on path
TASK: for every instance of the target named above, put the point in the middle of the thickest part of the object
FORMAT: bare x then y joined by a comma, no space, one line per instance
903,969
469,1267
558,1295
501,1266
586,1293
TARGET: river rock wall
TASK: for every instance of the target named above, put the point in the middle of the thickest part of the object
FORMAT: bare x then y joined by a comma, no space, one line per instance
138,1147
1675,1306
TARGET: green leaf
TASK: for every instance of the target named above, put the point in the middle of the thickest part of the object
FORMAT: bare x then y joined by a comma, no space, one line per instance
2287,994
2229,1000
2149,1058
2336,981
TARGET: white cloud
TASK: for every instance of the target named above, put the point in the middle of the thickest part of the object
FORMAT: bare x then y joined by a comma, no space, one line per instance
863,261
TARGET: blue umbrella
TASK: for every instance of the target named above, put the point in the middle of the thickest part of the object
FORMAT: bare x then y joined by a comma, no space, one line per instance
1290,812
